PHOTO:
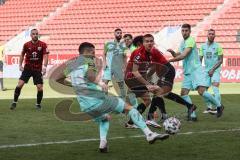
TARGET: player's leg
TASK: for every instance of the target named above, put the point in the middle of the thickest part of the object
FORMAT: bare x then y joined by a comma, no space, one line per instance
117,105
24,78
178,99
209,105
140,90
118,74
142,106
121,86
139,121
38,81
103,130
215,85
156,102
185,95
203,92
107,76
1,76
200,83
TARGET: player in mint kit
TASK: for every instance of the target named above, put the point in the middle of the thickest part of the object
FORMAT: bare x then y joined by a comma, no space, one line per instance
194,75
212,53
115,57
86,78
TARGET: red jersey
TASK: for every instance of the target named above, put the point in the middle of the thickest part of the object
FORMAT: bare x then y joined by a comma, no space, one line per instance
144,60
33,53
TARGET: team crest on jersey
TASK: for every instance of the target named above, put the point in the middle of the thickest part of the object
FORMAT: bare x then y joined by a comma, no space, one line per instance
137,58
39,48
111,46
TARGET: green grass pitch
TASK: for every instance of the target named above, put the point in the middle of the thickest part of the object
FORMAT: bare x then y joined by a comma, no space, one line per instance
208,139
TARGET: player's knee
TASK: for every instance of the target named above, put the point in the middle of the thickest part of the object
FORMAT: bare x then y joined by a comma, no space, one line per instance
39,87
20,84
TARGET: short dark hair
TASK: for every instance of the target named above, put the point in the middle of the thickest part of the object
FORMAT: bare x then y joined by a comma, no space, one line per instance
34,29
137,40
127,35
211,30
147,35
117,29
84,46
186,26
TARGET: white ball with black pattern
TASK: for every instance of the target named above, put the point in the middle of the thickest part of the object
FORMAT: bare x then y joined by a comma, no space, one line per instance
172,125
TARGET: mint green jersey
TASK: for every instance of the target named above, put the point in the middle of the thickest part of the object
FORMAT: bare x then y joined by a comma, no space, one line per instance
129,50
192,61
115,53
88,93
210,54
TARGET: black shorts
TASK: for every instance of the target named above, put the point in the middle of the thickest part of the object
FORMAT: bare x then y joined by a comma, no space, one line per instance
168,78
37,76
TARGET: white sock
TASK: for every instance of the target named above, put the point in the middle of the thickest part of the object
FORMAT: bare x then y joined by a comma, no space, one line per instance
103,139
147,131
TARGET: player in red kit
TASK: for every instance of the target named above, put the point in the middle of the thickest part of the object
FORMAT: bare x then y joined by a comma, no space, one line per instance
143,64
35,54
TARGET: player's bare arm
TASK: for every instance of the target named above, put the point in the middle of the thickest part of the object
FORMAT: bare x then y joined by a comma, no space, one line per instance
218,64
173,53
181,56
21,61
45,63
139,77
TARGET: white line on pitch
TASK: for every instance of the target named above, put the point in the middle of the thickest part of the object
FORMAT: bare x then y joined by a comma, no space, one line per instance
113,138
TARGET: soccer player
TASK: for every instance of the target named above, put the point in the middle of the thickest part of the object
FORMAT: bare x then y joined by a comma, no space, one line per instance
212,53
194,76
157,100
35,53
143,63
114,52
128,40
86,76
1,67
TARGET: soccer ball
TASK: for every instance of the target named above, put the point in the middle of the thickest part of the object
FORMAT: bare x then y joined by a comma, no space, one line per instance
172,125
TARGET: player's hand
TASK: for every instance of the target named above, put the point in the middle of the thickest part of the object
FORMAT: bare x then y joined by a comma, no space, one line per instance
21,68
210,73
44,70
99,64
104,86
151,88
171,51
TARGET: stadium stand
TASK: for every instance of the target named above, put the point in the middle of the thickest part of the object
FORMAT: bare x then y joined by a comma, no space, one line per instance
84,20
16,16
227,27
95,20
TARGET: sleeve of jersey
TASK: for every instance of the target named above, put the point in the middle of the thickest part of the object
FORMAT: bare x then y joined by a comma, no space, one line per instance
220,50
159,57
201,51
135,58
105,47
190,43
